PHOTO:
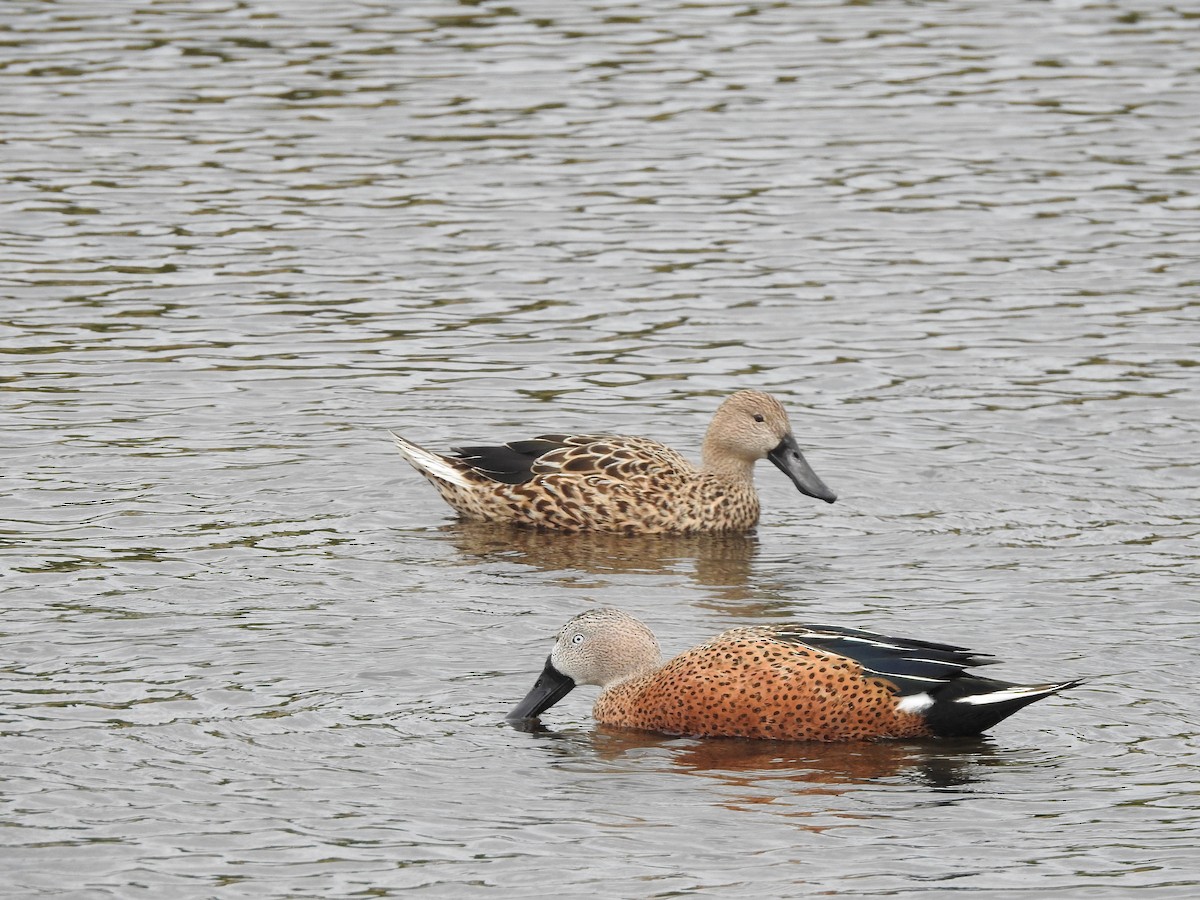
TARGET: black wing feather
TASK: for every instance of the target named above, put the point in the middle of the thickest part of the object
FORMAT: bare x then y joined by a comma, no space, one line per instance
510,463
913,665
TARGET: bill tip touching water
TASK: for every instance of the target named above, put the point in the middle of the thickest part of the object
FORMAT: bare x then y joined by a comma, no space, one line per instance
623,484
784,682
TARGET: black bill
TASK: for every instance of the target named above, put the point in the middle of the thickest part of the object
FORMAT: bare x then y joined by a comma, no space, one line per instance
551,686
791,462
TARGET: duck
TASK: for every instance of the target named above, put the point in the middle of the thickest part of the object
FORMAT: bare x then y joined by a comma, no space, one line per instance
623,484
776,682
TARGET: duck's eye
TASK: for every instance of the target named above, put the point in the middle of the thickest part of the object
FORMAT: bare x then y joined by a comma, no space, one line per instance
759,417
577,640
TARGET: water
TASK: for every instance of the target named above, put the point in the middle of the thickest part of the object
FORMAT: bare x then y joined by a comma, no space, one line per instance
247,653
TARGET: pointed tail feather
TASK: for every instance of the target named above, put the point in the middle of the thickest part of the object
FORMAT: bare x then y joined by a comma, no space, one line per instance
429,464
971,706
1025,693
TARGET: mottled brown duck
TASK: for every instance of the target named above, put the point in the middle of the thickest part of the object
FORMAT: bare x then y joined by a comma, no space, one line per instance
630,485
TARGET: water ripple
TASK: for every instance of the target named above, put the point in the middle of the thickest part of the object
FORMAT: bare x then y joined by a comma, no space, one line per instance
246,650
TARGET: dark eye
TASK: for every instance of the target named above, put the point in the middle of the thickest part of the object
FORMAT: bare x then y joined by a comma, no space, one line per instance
759,417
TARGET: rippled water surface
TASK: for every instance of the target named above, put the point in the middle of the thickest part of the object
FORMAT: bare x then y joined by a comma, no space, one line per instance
247,652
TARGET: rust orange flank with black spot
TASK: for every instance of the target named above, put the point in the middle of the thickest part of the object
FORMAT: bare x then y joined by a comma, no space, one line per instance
746,684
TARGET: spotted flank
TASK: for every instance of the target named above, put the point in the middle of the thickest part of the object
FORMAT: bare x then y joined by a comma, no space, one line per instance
784,682
621,484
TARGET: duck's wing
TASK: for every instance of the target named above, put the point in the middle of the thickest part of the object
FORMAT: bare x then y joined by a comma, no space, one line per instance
513,463
611,456
914,666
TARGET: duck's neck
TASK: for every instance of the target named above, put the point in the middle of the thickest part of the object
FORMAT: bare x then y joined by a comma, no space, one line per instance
633,679
715,460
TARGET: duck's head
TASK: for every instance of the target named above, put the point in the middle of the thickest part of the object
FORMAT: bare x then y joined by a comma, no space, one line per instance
753,425
600,646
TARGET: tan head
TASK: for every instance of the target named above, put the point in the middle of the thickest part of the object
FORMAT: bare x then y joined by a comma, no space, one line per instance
752,425
600,646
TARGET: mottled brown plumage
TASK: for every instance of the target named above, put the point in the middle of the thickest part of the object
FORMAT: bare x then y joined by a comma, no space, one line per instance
616,483
789,682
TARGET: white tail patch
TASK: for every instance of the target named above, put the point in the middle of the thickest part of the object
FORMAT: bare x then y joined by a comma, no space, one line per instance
1013,693
429,463
914,703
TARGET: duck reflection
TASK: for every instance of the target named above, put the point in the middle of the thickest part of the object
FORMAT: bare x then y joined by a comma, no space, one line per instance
742,762
719,562
811,767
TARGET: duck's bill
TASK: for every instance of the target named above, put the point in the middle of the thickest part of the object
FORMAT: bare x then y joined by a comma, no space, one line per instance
791,462
550,687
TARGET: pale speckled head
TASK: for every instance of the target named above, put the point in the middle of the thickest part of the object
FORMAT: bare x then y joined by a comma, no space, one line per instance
753,425
601,647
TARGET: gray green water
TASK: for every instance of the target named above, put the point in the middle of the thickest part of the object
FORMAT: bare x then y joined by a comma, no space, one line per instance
245,652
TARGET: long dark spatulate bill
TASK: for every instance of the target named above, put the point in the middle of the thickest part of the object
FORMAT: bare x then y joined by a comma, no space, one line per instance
550,687
788,458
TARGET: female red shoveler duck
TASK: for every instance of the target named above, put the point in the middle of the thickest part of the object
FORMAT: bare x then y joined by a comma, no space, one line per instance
783,682
631,485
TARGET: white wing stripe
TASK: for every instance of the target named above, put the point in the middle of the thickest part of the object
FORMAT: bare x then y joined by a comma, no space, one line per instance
931,680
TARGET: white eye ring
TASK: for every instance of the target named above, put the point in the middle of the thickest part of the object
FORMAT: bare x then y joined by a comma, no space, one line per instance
577,640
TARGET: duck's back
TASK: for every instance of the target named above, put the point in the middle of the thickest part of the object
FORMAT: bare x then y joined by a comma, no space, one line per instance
611,483
746,683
